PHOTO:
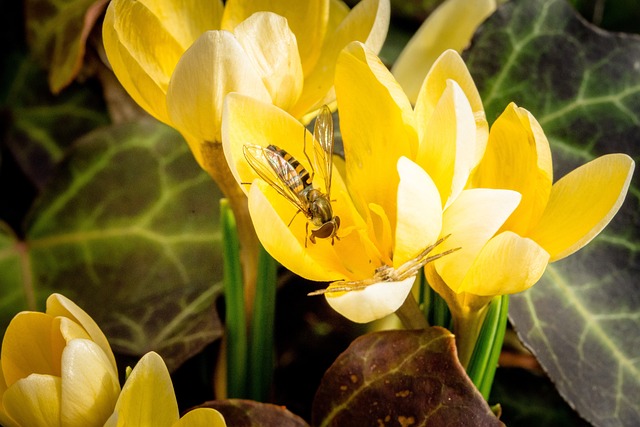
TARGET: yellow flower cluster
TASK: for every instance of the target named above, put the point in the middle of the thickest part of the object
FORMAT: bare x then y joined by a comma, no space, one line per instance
178,59
57,369
418,168
415,174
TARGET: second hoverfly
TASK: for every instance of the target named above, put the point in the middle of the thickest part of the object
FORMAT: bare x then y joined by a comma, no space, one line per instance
289,178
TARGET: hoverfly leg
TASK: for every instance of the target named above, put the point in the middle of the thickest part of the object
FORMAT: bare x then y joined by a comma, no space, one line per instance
294,217
308,236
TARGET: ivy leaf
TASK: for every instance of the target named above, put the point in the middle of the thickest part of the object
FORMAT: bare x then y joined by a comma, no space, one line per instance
620,15
583,85
247,413
40,126
57,33
128,229
14,298
531,400
400,378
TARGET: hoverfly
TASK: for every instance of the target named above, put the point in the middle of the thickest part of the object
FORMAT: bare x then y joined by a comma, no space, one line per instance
289,178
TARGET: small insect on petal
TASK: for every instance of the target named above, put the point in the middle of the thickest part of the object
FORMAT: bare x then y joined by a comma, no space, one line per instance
292,181
387,273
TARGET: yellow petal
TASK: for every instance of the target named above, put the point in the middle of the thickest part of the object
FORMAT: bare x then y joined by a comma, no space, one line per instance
144,40
202,151
582,203
447,142
215,65
368,23
183,20
34,401
61,306
419,218
5,419
449,66
69,329
371,303
460,304
518,158
282,242
338,11
377,125
204,417
470,222
249,121
147,398
31,345
507,264
450,26
273,50
346,259
308,23
90,385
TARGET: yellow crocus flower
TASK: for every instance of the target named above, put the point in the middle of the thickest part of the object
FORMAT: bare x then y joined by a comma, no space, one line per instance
178,59
450,26
552,221
148,399
57,369
403,166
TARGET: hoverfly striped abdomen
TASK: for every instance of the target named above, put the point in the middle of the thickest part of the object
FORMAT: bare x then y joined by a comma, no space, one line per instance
299,180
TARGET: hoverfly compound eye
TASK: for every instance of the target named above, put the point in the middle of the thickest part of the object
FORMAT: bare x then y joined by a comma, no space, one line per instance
325,231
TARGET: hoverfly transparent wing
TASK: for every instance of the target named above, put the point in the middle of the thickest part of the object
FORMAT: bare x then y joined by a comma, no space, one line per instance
323,146
277,172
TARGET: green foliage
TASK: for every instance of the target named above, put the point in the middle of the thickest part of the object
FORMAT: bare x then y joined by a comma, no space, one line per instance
127,228
261,360
235,316
583,85
400,378
12,256
618,15
41,126
486,353
57,32
528,399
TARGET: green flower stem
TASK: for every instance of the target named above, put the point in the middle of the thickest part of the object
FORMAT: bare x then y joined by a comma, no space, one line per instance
489,346
261,355
466,327
410,314
235,320
425,295
215,163
440,310
434,307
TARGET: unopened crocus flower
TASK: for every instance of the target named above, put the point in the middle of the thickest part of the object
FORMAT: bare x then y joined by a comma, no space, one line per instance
57,369
403,167
148,399
179,59
450,26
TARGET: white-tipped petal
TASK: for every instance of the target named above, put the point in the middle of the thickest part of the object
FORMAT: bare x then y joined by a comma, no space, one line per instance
371,303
